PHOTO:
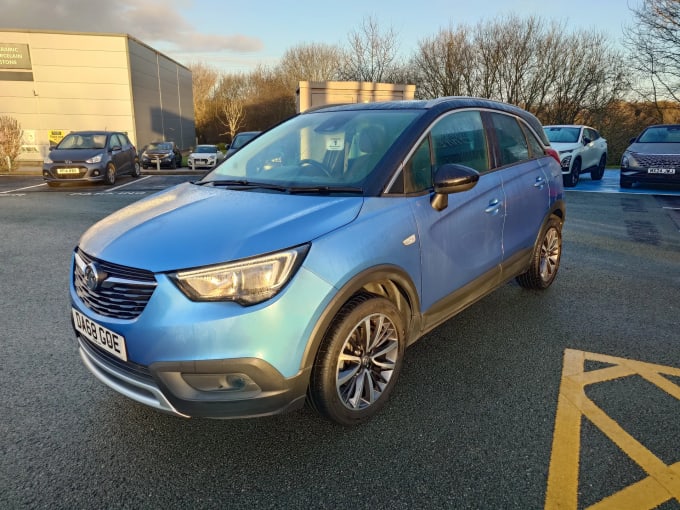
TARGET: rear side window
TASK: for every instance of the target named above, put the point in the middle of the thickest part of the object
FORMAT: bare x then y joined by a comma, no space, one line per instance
535,146
512,144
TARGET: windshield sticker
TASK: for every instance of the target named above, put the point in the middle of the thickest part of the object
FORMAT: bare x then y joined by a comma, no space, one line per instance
335,142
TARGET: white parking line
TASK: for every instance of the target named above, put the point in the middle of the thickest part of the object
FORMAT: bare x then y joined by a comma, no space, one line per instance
131,182
19,189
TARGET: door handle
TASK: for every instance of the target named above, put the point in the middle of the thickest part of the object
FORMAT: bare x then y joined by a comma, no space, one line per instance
494,207
540,183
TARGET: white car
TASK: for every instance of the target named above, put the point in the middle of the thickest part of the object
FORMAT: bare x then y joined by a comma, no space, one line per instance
205,156
581,150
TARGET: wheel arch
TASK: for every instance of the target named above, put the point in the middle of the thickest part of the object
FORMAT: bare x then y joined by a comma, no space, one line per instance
386,281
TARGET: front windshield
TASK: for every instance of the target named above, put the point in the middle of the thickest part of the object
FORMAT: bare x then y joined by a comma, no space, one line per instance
163,146
206,149
661,134
240,140
325,149
83,141
562,134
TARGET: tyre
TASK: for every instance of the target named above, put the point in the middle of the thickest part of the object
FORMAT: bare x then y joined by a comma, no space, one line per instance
597,173
545,261
358,361
625,183
110,176
571,179
136,169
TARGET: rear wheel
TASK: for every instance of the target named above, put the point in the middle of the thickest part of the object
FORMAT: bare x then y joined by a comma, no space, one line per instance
545,260
359,360
110,176
597,173
136,169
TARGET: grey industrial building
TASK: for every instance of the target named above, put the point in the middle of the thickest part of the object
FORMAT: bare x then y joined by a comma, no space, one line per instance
56,82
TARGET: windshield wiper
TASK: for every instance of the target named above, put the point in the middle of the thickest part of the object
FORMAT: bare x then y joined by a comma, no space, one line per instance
325,189
243,184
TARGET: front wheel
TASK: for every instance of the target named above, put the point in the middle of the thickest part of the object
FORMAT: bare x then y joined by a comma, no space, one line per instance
110,177
359,360
545,260
571,179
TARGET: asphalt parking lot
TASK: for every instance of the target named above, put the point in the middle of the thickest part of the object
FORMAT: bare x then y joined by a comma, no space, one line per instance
564,399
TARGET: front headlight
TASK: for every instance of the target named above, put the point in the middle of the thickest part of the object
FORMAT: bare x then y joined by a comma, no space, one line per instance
246,282
629,161
47,160
95,159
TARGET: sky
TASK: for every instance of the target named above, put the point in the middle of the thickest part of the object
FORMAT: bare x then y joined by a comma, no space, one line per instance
237,36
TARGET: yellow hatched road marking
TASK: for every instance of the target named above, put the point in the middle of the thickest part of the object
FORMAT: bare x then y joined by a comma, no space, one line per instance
663,482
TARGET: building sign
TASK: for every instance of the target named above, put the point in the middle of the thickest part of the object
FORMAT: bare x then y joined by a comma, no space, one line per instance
15,62
14,56
55,136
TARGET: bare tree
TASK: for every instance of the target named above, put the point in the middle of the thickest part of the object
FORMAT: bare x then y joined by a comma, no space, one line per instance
653,42
11,136
312,62
371,53
230,96
542,68
204,80
444,64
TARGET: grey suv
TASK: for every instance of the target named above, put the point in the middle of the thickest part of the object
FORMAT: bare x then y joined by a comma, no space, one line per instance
91,156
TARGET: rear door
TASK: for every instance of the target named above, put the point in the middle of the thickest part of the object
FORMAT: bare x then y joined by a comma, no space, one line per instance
527,191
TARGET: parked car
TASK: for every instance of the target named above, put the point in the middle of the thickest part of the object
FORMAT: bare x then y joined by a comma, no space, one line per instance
302,267
652,157
167,154
205,156
91,156
240,139
581,150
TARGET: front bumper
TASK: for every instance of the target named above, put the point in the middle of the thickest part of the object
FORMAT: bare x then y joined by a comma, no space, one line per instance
165,160
213,359
201,163
642,175
164,385
76,172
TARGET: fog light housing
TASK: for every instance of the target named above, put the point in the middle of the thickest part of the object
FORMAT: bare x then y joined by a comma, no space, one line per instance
95,173
221,382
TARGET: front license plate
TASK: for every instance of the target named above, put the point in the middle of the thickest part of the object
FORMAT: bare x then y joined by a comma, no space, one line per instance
665,171
62,171
99,335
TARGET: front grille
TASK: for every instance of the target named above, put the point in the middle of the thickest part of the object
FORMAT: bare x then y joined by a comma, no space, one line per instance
122,293
658,160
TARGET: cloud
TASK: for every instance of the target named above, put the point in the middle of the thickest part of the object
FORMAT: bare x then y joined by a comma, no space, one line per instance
151,21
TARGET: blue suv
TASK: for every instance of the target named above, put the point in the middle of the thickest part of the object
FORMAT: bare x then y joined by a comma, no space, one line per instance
301,268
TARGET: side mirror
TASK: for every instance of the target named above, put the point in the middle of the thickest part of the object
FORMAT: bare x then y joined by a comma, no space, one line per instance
115,148
586,140
451,178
